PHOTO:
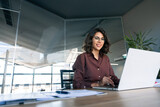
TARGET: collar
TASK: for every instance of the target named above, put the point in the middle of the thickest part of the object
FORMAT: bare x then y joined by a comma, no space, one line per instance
91,55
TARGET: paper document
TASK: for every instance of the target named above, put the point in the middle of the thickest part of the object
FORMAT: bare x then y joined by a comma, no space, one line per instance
75,93
8,99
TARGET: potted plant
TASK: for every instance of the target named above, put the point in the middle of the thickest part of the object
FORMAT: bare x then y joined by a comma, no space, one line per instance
139,41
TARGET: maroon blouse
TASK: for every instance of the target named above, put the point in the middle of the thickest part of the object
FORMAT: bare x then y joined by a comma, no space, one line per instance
90,70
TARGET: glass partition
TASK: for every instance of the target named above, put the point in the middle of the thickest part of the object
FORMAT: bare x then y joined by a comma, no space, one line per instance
9,17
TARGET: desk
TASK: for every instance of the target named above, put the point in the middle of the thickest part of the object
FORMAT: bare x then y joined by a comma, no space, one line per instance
149,97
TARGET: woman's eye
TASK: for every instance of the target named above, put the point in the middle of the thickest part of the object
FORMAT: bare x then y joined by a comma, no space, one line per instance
97,38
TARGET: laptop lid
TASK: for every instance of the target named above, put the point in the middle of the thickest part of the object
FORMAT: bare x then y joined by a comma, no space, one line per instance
140,69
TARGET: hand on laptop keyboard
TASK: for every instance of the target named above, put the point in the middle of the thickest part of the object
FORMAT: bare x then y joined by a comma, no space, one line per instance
107,80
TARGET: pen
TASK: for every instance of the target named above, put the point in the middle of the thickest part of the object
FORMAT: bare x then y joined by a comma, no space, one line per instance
62,92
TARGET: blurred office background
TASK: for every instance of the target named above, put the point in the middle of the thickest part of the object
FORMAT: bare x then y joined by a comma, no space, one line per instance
38,38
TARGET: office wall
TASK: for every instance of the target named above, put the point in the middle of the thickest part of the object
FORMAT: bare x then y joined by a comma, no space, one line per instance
116,51
144,17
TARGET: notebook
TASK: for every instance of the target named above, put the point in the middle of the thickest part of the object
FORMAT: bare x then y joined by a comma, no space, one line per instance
140,70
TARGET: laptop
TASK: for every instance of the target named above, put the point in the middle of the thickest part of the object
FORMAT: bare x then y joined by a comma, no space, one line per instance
140,70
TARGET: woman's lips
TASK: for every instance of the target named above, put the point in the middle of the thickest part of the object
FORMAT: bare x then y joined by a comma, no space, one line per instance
98,45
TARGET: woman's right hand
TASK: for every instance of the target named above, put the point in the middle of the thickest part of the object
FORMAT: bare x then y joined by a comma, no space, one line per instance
107,80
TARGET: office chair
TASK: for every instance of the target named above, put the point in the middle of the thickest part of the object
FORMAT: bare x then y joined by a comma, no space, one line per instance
67,79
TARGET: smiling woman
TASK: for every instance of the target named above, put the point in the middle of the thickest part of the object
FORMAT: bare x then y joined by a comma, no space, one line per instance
93,68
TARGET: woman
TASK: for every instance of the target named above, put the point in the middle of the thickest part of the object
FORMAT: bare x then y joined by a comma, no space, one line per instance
92,68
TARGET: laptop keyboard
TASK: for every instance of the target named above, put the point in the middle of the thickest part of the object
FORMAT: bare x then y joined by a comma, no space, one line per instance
107,87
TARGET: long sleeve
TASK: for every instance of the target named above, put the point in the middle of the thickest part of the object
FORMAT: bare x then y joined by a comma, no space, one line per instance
113,76
79,68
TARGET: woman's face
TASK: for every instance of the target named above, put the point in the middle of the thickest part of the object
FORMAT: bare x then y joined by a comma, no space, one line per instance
98,41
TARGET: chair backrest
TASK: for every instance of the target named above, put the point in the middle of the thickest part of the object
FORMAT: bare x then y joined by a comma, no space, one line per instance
67,78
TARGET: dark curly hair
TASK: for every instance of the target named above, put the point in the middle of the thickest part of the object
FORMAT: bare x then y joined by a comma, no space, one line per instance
88,41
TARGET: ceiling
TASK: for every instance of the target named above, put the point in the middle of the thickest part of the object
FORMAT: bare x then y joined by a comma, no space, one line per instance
69,9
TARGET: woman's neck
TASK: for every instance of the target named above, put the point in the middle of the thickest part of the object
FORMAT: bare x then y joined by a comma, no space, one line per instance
96,54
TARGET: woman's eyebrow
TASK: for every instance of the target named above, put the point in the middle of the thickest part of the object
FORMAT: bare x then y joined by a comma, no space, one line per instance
98,36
